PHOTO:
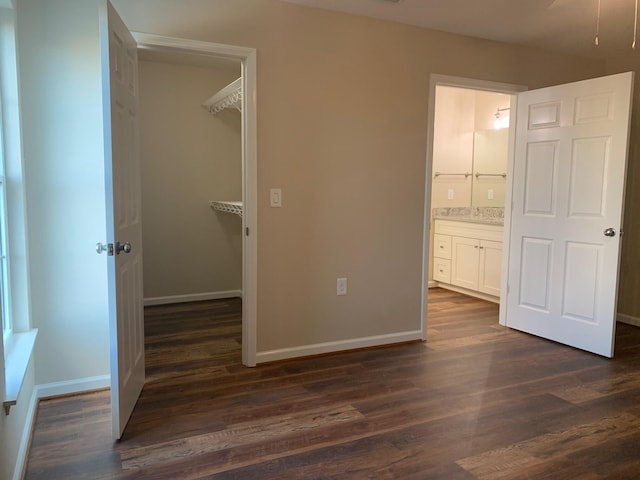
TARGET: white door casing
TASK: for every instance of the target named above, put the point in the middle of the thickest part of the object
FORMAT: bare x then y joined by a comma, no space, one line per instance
123,207
460,82
568,188
248,57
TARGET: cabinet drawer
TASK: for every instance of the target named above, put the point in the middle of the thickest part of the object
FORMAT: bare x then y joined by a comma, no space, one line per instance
442,270
442,246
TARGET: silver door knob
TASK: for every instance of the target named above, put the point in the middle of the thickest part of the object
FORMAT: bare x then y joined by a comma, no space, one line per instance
123,247
101,248
610,232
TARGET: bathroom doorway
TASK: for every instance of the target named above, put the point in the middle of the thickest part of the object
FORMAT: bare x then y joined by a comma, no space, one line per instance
469,144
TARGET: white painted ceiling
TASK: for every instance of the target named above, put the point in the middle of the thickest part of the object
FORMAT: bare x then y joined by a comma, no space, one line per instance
566,26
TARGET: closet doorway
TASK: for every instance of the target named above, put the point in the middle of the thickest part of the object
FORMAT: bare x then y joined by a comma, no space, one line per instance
467,186
195,156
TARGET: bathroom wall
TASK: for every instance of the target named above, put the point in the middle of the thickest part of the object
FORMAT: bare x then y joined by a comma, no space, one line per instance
188,158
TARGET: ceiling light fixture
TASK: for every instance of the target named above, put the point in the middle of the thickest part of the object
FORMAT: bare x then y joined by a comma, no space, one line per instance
596,40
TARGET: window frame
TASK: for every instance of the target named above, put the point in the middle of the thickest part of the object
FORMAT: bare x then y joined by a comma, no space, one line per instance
19,337
5,292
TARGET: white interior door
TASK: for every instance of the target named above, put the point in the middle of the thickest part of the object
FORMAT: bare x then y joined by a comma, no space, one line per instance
568,190
123,205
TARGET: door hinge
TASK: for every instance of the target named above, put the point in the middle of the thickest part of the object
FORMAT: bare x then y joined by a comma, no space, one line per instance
246,231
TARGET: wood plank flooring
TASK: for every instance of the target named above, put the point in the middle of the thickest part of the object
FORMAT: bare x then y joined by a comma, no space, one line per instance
477,401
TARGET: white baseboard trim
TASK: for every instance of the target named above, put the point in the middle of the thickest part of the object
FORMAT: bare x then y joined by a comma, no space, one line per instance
332,347
25,440
72,386
621,317
193,297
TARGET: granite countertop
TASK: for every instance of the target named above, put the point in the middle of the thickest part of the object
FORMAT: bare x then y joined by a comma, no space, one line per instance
486,215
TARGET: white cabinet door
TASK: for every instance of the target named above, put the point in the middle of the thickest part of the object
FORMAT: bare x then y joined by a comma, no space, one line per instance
568,187
490,267
123,205
465,254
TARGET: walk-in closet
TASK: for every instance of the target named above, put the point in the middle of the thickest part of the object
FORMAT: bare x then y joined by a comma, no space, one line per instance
191,162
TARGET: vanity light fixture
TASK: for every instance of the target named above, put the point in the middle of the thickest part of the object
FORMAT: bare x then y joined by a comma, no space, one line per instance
501,121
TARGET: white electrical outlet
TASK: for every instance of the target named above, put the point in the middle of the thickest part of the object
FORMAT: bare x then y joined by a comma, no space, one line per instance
490,194
341,286
450,194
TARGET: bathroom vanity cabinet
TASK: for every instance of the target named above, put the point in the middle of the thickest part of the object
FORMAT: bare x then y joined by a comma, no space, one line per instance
468,255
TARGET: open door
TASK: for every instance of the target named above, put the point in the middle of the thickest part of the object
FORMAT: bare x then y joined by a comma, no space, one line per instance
123,206
568,190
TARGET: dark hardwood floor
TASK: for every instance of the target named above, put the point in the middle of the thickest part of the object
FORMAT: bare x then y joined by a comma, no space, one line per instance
477,401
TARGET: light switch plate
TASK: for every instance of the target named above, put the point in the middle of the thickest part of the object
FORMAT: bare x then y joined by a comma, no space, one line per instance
275,196
341,286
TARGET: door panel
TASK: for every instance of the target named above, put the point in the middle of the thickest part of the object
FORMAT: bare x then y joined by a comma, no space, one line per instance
588,176
123,205
568,187
581,281
540,177
536,258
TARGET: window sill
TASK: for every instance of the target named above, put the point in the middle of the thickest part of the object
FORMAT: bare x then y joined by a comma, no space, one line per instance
18,353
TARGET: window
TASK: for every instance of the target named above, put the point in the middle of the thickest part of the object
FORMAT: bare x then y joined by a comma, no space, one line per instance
18,338
7,41
4,257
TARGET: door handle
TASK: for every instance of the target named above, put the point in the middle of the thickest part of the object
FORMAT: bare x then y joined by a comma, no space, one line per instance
112,249
101,248
123,247
610,232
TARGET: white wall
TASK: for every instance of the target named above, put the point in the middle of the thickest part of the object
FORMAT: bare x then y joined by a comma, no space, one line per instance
64,162
188,158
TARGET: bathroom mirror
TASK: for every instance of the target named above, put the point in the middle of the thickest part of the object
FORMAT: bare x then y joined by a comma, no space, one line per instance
490,150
